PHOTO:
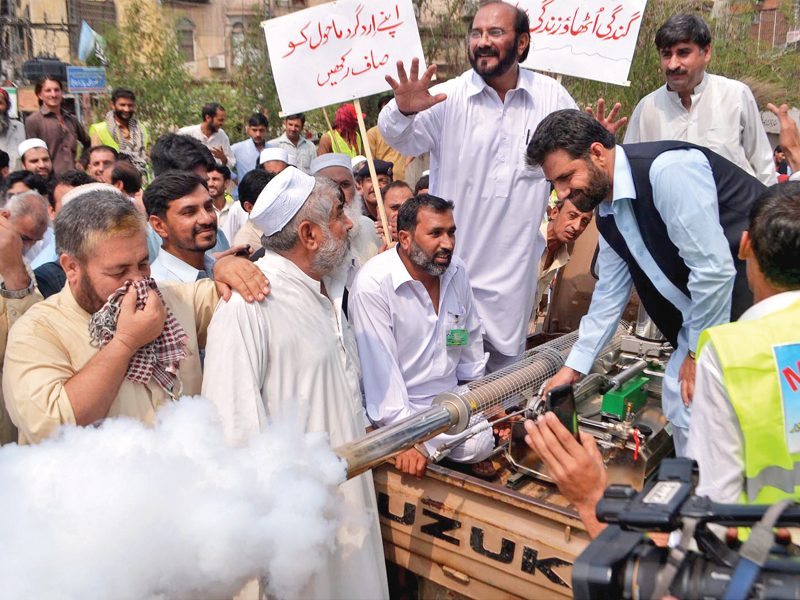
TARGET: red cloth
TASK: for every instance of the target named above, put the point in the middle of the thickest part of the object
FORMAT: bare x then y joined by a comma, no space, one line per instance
346,123
158,359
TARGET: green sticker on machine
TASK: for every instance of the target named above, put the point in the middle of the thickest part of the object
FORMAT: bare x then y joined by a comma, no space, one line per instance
457,337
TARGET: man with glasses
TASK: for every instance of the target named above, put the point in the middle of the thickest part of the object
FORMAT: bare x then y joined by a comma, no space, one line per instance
476,128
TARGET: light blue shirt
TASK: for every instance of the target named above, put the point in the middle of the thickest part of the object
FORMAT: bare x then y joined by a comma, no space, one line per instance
168,267
48,252
246,155
685,195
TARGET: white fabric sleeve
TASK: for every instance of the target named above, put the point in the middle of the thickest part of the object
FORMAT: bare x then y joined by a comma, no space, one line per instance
716,441
384,387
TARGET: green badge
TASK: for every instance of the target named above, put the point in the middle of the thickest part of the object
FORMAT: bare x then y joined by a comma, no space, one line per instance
457,337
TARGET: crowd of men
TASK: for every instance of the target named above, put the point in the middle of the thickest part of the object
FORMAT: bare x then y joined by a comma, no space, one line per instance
258,273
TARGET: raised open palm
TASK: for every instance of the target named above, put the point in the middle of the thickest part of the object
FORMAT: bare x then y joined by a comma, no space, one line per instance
411,93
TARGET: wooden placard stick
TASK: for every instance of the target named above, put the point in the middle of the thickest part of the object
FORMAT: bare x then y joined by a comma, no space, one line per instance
334,145
371,163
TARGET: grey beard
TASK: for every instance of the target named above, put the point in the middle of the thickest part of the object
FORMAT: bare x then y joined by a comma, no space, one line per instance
331,254
353,212
423,261
4,123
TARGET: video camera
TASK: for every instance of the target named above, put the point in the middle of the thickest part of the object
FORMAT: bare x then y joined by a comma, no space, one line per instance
622,563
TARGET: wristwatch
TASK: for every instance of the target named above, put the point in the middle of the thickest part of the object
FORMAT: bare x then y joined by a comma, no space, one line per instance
692,355
17,294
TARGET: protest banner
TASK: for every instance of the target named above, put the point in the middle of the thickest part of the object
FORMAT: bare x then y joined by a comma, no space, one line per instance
338,52
593,39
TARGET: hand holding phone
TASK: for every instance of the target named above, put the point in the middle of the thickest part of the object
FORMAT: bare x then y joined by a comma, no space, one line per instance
561,400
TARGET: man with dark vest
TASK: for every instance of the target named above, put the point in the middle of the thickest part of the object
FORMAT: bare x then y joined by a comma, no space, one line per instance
670,216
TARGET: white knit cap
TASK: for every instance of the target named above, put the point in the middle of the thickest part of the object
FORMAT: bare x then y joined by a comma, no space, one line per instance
86,188
357,160
292,160
268,154
281,200
330,160
30,143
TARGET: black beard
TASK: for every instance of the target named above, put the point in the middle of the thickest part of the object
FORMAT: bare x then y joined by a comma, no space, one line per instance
119,116
595,192
503,64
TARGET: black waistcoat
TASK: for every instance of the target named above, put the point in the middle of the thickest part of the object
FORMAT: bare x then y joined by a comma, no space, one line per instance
736,193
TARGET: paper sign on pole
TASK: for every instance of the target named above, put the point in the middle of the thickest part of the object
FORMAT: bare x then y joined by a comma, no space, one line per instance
339,51
593,39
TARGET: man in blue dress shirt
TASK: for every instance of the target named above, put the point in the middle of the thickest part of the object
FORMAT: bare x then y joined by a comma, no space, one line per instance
248,151
670,216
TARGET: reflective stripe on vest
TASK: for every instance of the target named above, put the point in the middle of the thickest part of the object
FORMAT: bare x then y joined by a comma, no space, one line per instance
784,479
101,129
747,355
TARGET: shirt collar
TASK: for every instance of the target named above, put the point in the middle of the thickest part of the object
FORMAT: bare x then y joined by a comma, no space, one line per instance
771,305
623,182
184,271
45,110
273,260
699,89
400,274
67,299
477,84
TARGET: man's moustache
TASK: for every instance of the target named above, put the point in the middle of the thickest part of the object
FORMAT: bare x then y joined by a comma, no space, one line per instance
676,72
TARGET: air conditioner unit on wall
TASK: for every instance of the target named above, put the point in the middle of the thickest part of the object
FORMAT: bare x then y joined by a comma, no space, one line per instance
216,62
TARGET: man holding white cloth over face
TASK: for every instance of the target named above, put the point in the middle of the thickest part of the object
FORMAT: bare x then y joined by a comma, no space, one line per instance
294,356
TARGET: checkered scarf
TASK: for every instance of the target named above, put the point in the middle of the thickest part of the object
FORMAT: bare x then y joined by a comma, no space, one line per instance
158,358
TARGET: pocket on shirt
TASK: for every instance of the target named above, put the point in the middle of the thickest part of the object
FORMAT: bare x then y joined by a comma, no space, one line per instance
720,137
525,170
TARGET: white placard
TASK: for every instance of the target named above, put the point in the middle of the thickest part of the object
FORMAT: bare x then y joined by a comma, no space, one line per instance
339,51
593,39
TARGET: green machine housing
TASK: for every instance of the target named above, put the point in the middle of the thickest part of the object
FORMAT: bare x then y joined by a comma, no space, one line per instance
620,403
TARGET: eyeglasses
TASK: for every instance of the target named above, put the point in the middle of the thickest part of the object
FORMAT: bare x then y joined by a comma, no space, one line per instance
495,33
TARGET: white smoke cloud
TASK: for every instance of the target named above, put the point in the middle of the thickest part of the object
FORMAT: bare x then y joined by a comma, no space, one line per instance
128,512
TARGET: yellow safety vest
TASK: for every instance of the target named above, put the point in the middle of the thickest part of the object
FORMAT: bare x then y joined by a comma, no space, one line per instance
760,361
339,144
101,129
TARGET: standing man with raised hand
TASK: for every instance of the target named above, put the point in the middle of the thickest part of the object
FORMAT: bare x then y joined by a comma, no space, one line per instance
211,133
60,130
295,144
698,107
477,128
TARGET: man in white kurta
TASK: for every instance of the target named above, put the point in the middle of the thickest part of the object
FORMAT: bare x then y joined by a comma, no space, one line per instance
293,356
477,139
698,107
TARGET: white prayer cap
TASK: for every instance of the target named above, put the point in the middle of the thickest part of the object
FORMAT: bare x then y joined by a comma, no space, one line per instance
426,173
87,187
330,160
30,143
268,154
357,160
281,200
292,160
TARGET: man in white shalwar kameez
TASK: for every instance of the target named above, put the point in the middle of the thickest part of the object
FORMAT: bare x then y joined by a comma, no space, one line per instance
293,356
